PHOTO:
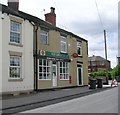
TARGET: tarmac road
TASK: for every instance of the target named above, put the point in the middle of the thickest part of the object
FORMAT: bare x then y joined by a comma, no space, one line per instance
102,102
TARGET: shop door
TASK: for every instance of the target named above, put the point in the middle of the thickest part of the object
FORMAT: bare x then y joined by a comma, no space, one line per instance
80,77
54,74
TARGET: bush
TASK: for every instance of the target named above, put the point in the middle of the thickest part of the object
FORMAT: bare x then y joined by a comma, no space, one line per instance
115,71
95,74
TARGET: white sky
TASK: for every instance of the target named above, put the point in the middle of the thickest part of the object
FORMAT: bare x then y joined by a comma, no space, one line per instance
81,18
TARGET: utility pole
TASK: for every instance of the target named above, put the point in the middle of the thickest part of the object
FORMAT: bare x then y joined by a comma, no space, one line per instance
106,57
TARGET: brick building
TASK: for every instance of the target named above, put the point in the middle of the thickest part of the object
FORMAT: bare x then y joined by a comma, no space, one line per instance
97,63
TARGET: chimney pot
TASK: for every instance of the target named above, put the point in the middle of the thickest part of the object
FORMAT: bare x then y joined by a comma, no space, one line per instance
52,10
14,4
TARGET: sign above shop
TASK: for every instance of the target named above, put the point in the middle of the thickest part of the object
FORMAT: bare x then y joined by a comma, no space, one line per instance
53,55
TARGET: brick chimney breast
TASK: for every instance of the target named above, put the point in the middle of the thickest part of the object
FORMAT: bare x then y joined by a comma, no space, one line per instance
14,4
51,17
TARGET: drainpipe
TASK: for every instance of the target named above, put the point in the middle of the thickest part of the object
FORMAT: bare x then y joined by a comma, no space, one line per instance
35,57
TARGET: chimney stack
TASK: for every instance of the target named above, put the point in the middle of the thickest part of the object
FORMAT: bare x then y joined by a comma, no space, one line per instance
51,17
14,4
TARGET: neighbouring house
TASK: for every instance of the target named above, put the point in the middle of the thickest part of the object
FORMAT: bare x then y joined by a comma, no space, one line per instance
17,50
37,54
61,59
97,63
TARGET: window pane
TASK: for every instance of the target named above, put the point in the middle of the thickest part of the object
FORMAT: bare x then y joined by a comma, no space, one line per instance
15,32
63,44
40,75
40,69
60,70
63,70
15,26
40,62
79,48
67,76
48,76
60,64
66,65
44,69
63,47
63,64
79,52
18,72
44,62
63,39
48,69
66,70
43,37
44,76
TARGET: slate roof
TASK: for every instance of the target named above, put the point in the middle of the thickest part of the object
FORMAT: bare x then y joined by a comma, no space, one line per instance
96,58
42,23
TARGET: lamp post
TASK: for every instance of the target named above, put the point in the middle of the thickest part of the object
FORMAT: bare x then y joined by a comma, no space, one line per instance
106,57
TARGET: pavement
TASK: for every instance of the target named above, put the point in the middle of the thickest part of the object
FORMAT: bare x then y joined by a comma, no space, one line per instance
39,99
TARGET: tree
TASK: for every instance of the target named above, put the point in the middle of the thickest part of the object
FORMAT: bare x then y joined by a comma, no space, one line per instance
115,72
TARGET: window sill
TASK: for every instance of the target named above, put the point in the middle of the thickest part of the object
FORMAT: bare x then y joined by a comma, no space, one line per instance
44,79
64,79
64,53
20,45
80,56
20,79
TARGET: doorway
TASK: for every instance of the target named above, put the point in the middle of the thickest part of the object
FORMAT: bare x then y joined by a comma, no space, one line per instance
54,75
80,75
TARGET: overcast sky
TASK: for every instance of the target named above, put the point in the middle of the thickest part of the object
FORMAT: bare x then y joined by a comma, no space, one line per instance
81,18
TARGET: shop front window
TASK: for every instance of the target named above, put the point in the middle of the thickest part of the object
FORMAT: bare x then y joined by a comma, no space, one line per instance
44,70
64,71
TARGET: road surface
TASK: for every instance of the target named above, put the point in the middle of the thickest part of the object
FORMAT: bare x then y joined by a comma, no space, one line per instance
102,102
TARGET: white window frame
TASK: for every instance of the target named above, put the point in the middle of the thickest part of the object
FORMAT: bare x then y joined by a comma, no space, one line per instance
15,67
18,32
63,42
64,75
42,72
45,34
79,46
